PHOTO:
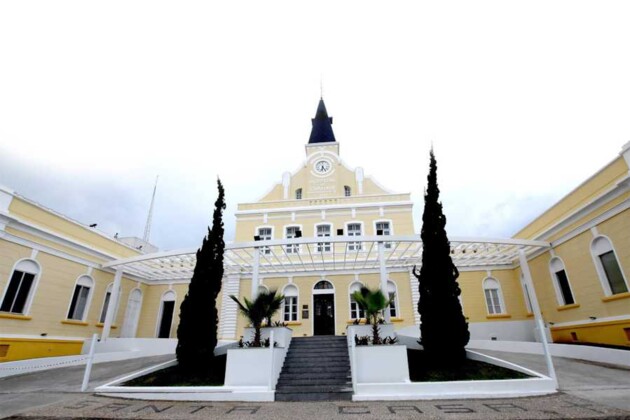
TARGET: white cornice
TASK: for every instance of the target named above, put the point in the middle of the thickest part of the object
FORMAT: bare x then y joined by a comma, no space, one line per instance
325,207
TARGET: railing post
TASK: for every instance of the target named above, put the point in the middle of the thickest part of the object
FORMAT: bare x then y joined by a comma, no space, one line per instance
88,366
271,377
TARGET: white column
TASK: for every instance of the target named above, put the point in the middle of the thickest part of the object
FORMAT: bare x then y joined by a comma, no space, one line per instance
381,262
255,279
111,307
527,277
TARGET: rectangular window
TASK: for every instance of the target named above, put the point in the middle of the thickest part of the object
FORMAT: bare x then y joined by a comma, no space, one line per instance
105,306
356,312
323,231
290,308
354,229
167,318
613,273
265,235
79,302
565,289
291,233
493,302
17,292
384,226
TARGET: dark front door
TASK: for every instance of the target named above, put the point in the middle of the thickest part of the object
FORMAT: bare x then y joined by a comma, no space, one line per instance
167,318
324,317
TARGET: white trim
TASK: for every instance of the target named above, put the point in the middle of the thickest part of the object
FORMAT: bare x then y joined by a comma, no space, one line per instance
323,292
159,317
323,207
293,246
396,301
33,288
351,242
499,293
298,316
88,301
324,243
134,331
554,280
352,283
601,273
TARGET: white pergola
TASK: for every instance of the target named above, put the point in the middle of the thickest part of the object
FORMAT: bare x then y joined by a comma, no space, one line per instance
329,256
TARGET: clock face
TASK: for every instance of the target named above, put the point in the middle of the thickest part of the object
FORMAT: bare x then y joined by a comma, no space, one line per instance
322,166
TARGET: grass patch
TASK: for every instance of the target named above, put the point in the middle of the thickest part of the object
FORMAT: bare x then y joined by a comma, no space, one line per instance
421,370
172,376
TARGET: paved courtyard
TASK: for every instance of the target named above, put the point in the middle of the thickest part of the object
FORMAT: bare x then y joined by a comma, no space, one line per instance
588,391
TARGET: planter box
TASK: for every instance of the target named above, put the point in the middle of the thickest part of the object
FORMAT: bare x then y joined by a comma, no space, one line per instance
281,335
381,364
386,330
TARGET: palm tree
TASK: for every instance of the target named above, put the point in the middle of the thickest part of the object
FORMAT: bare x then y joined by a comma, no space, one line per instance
262,308
373,303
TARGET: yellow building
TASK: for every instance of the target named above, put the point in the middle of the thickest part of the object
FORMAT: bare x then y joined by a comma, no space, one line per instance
317,236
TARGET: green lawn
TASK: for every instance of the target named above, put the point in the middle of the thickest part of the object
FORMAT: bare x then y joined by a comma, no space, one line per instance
421,370
172,376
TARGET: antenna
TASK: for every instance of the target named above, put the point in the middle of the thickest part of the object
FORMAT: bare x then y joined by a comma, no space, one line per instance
147,227
321,86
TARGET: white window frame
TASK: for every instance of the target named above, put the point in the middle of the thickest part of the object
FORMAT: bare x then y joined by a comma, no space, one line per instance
347,191
292,249
264,249
299,193
297,303
355,246
358,285
33,289
396,305
323,247
499,289
82,278
596,251
559,266
159,317
391,229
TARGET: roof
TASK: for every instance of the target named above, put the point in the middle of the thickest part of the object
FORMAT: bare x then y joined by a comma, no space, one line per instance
322,131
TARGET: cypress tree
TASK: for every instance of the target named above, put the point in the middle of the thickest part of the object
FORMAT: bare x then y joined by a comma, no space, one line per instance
198,316
444,330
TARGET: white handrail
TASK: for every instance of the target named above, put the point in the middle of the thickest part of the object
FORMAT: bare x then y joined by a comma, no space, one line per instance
271,376
88,365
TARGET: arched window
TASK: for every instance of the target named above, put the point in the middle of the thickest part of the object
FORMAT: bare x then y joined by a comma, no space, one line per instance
347,191
132,314
290,307
263,289
323,285
79,303
356,312
19,291
108,297
165,318
391,292
561,281
607,266
298,194
494,297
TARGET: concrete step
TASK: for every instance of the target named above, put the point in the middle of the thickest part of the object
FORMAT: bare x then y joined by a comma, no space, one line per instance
314,396
316,375
316,369
325,356
293,383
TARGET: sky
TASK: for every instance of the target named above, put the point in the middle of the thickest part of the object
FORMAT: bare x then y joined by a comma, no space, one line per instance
522,101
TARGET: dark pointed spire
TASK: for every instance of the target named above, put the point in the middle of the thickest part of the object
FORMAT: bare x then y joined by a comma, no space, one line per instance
322,131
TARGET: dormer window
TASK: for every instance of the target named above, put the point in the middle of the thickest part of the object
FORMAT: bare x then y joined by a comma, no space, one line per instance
298,194
347,191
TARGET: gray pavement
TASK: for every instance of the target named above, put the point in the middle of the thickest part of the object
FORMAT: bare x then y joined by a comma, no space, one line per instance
588,391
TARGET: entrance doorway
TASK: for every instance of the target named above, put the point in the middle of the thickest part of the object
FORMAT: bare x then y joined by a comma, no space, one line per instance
323,308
